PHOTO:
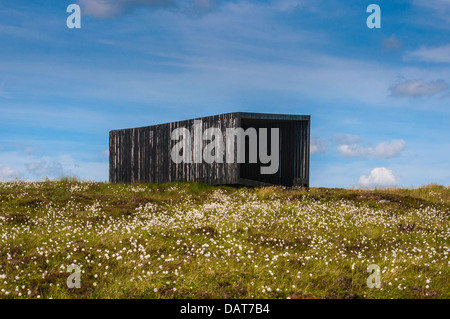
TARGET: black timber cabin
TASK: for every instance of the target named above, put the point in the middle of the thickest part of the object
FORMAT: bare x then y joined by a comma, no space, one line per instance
143,155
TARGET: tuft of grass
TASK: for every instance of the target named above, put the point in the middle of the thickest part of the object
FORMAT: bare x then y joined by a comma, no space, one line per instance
191,240
68,179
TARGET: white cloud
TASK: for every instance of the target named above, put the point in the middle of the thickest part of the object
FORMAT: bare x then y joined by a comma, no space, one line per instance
379,177
46,168
32,166
7,173
66,165
418,88
111,8
382,150
392,43
318,145
440,6
28,150
346,138
100,8
293,6
439,54
440,10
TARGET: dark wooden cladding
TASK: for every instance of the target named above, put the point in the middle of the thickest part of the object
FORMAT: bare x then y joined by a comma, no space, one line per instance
143,154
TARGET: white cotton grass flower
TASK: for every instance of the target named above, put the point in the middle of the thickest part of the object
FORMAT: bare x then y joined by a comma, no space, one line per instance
153,241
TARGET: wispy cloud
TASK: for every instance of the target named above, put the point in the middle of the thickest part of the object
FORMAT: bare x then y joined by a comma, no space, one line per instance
7,173
294,6
47,168
378,177
318,145
155,64
418,88
382,150
440,54
20,32
33,167
114,8
439,8
110,8
29,150
340,138
392,43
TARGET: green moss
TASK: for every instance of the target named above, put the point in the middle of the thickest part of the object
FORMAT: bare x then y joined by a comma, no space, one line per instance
191,240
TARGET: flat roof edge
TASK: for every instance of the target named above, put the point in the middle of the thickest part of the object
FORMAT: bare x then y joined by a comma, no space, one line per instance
273,116
241,115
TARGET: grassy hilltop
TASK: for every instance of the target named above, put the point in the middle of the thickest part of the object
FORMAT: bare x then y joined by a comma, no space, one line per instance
189,240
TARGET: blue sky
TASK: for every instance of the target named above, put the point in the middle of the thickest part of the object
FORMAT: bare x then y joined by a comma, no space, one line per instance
379,99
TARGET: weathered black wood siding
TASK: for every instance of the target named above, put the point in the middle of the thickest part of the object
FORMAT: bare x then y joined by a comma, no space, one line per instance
143,154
